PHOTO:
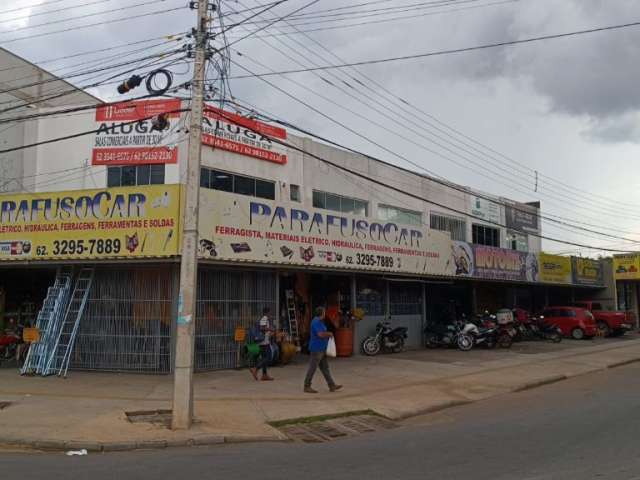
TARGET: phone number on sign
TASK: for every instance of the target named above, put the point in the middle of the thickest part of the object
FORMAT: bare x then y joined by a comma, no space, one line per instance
98,246
372,260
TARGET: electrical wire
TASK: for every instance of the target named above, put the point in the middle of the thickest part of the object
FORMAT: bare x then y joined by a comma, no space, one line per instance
447,52
81,27
398,190
375,101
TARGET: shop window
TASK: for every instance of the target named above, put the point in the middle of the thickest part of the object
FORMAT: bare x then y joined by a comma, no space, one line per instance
126,176
488,236
371,296
399,215
339,203
294,193
457,227
405,298
241,184
517,241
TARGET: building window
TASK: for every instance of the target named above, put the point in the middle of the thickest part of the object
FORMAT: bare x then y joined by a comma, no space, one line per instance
455,226
488,236
371,296
294,193
405,298
399,215
135,175
517,241
228,182
338,203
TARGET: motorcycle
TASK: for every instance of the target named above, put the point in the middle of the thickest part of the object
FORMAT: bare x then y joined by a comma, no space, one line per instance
8,347
545,332
449,335
386,338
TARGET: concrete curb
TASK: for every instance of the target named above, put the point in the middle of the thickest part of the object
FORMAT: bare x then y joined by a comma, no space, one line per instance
97,447
406,414
540,383
622,363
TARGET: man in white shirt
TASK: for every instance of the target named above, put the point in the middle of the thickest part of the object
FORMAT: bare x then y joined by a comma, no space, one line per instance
264,358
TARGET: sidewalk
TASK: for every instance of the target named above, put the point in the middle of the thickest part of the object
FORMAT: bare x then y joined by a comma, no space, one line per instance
87,410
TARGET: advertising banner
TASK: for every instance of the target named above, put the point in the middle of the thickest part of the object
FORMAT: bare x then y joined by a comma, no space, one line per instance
626,267
485,209
554,268
587,271
122,141
522,218
245,229
127,222
238,134
502,264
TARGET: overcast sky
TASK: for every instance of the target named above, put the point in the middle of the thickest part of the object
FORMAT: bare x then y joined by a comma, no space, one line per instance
568,108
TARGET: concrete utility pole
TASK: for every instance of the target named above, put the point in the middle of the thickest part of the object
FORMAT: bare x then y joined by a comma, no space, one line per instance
183,374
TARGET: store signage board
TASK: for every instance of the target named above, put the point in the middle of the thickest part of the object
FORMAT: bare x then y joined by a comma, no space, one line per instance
246,229
502,264
587,271
626,267
127,222
484,209
521,218
235,133
555,268
125,136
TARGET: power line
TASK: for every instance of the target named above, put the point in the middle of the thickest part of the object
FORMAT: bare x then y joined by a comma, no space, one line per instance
375,101
417,197
445,52
58,10
79,27
448,184
272,23
48,2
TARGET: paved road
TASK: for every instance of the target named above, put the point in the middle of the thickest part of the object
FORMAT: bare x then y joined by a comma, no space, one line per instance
583,428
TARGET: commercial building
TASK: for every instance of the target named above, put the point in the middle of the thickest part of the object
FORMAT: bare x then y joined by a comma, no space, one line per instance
286,222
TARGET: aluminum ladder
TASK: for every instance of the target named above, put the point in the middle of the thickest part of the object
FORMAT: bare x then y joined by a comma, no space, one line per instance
60,355
293,317
48,318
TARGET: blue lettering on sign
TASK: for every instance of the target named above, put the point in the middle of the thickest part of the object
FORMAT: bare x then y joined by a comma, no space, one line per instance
296,220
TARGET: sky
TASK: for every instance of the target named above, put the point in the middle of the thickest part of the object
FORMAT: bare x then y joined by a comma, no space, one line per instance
568,108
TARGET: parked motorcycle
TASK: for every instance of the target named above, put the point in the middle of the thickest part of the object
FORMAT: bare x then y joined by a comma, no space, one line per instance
386,339
542,331
448,335
8,347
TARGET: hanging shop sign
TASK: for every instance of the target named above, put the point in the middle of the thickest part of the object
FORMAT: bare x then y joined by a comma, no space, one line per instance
554,268
521,218
125,222
126,133
502,264
484,209
587,271
626,267
239,228
238,134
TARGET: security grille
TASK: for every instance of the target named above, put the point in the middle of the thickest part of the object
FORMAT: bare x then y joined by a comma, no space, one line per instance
456,226
228,300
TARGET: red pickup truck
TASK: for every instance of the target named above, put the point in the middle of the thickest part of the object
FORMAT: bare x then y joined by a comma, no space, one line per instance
609,322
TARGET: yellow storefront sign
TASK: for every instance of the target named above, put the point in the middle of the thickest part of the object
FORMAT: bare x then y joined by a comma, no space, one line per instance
554,268
125,222
626,267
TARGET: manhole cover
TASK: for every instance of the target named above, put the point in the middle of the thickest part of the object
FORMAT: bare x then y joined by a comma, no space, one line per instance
378,423
353,425
336,428
156,417
301,434
325,429
4,405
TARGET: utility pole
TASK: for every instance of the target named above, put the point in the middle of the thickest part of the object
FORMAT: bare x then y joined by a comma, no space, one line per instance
183,372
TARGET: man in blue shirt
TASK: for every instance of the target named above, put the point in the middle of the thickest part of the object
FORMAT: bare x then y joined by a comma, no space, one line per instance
317,353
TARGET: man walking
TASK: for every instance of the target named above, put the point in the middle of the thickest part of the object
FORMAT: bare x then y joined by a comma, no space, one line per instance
265,330
317,353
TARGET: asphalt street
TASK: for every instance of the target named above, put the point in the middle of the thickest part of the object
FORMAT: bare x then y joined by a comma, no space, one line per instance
583,428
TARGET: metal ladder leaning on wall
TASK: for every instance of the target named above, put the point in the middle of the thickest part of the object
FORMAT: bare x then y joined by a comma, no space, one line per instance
60,355
49,317
293,317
